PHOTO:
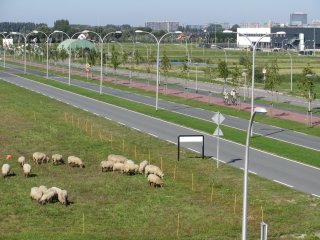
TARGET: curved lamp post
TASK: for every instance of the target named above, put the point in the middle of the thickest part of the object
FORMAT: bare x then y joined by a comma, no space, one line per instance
105,37
254,46
58,31
36,32
245,179
158,57
101,54
25,43
4,49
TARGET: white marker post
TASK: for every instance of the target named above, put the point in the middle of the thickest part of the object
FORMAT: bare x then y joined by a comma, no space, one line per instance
218,118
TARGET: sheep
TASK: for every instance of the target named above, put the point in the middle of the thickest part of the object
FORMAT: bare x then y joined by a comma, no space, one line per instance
43,188
75,162
50,195
130,168
57,159
155,181
129,161
26,169
36,193
39,157
63,197
117,158
5,169
106,165
21,160
153,169
142,166
118,167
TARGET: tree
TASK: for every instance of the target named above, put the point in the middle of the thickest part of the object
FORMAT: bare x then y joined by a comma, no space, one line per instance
185,70
62,25
223,72
115,61
272,78
307,86
137,57
165,64
125,57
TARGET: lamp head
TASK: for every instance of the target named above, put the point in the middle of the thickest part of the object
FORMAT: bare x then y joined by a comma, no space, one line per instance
177,32
138,31
282,33
228,31
119,32
14,33
35,31
260,110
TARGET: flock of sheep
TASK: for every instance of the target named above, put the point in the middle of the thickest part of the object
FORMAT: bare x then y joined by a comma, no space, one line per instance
114,163
118,163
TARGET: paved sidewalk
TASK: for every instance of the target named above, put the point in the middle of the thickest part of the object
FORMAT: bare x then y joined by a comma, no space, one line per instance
275,112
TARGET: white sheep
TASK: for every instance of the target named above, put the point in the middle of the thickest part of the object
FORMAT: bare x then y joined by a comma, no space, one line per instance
36,193
39,157
142,166
26,169
50,195
129,161
153,169
43,188
5,169
63,197
130,168
21,160
106,165
57,159
118,167
155,181
75,162
117,158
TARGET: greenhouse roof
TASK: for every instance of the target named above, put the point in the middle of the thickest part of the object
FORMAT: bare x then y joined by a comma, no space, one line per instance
76,43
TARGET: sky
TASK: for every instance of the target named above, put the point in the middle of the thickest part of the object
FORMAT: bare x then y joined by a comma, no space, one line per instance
136,13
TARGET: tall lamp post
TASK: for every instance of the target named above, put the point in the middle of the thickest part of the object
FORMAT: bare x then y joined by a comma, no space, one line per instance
245,179
36,32
158,57
58,31
105,37
4,49
25,43
101,54
254,46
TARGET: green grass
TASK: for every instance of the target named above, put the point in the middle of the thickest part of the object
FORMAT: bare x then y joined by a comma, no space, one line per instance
270,145
115,206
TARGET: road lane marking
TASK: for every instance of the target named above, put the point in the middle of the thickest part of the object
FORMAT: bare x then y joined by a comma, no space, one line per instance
137,129
315,195
282,183
153,135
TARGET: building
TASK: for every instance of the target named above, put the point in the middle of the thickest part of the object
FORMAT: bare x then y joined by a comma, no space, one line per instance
163,25
298,19
297,38
247,35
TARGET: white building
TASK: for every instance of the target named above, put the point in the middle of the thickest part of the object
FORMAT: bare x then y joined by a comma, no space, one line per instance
247,35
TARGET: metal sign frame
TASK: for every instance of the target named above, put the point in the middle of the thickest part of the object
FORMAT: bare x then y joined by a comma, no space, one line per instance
190,138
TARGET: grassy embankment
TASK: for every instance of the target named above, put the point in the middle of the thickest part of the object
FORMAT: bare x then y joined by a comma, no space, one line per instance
115,206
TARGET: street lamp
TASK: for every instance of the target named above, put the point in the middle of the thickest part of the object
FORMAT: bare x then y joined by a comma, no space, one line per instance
254,46
119,45
25,43
245,180
105,37
101,54
4,49
58,31
158,57
36,32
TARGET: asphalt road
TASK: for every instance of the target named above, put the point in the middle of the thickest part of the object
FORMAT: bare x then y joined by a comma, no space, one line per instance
284,171
300,139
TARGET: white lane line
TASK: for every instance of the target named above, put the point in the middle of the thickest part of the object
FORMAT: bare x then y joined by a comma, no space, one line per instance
121,123
97,114
171,142
108,118
193,150
152,135
252,172
287,185
137,129
315,195
86,110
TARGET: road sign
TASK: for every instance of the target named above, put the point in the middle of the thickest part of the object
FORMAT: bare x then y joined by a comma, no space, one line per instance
218,132
218,118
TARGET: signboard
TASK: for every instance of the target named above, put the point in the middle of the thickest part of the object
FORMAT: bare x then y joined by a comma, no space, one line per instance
218,118
189,139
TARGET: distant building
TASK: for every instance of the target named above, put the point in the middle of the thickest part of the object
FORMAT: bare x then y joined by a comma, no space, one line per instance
163,25
298,19
254,35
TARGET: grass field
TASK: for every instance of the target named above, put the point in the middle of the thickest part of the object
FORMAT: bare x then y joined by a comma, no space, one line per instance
115,206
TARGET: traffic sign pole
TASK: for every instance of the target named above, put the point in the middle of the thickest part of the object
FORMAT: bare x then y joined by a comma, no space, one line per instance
218,118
